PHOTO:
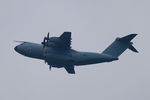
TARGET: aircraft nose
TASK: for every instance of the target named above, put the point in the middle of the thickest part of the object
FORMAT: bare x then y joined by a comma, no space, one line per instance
16,48
21,48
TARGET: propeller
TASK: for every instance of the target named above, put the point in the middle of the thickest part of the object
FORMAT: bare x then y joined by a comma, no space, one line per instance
50,67
45,41
48,35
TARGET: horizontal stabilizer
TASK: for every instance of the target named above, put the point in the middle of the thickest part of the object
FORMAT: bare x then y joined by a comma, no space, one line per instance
131,47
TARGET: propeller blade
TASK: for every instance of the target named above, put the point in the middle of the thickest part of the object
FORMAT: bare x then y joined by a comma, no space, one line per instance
45,40
48,35
50,68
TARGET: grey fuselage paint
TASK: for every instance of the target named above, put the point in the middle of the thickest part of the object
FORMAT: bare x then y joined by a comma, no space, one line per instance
61,58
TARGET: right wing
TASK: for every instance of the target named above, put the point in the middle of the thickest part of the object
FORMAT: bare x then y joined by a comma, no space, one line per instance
62,43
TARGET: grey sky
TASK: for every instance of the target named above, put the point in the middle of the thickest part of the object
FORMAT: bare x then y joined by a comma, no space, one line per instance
94,25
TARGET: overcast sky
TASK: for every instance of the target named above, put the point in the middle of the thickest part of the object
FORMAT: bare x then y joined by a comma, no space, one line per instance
94,25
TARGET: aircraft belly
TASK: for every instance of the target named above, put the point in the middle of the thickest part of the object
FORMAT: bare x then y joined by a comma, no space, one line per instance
88,61
81,60
62,60
90,58
59,60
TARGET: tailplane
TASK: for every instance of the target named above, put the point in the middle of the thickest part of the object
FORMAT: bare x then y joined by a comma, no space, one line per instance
120,45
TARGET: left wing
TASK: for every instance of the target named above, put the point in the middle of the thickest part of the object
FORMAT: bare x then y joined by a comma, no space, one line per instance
70,69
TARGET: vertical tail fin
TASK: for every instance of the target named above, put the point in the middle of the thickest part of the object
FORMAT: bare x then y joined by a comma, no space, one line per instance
120,45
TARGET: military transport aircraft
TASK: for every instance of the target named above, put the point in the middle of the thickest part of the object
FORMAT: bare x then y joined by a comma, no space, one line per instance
57,52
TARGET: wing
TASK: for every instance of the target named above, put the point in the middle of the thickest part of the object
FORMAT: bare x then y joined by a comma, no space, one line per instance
70,69
66,40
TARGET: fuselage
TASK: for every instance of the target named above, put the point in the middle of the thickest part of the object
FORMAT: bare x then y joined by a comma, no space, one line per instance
60,58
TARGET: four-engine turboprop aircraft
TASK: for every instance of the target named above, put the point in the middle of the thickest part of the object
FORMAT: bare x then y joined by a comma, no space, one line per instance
57,52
